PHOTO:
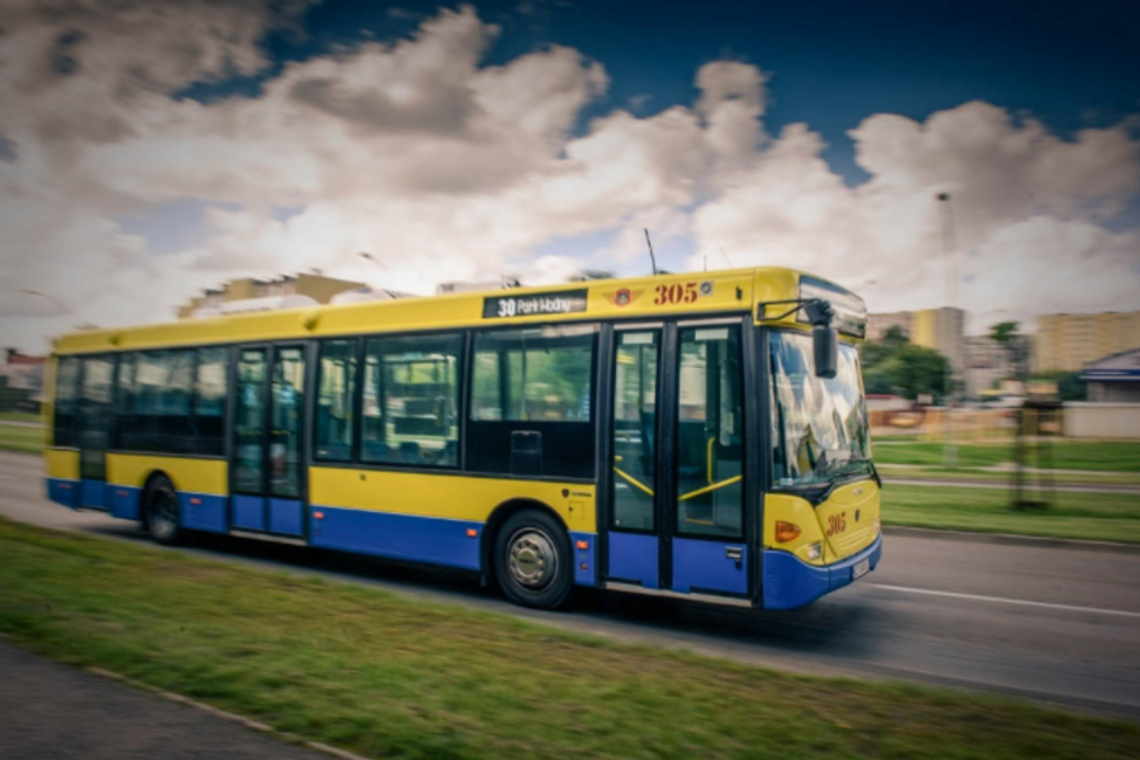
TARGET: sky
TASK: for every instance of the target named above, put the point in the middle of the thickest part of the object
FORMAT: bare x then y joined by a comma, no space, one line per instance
151,149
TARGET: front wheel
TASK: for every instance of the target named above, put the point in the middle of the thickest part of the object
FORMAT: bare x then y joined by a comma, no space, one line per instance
533,560
161,504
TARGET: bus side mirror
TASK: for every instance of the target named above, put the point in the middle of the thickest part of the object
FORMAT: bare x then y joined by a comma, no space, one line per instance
825,342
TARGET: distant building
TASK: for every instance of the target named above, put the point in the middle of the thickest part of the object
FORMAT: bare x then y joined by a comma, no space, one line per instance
1070,341
987,364
1115,378
878,324
21,382
315,286
940,329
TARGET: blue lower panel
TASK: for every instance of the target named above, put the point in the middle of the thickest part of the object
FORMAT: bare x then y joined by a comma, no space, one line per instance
249,512
633,557
92,494
203,511
285,516
65,492
705,566
123,501
418,539
789,582
585,572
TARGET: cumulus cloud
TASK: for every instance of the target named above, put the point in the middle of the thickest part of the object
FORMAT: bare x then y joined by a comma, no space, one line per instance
444,167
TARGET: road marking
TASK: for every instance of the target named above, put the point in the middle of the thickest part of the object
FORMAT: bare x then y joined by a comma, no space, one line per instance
1005,600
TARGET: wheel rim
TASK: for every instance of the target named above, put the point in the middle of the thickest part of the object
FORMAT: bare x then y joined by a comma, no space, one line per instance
531,558
164,515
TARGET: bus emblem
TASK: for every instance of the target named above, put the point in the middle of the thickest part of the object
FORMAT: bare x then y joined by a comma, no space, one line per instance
623,297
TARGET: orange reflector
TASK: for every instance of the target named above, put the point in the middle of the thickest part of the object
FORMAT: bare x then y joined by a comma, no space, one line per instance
472,532
65,486
583,544
122,493
786,531
318,515
195,501
584,566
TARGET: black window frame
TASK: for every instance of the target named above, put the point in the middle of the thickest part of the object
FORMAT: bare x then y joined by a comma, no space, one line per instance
72,418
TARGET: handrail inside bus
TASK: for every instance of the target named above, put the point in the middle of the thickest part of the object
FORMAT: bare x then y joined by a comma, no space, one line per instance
634,481
710,489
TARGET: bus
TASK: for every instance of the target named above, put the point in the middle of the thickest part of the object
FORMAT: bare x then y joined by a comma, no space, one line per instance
697,436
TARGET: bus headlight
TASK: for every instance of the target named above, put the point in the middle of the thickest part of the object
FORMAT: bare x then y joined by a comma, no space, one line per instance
815,551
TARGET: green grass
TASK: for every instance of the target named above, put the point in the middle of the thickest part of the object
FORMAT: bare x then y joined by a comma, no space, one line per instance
1085,515
29,440
892,472
1122,456
20,417
387,676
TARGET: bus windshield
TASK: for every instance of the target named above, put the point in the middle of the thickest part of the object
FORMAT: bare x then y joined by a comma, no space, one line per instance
819,426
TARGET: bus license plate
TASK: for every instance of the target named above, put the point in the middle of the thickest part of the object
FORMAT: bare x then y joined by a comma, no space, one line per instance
861,568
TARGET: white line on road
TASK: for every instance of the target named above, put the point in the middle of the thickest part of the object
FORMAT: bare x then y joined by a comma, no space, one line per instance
1005,600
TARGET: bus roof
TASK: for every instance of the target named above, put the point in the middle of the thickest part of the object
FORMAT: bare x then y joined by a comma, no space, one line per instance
726,291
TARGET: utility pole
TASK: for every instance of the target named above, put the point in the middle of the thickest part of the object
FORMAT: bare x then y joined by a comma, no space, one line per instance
950,260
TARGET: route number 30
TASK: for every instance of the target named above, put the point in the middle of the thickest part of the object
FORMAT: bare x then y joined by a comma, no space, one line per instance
676,293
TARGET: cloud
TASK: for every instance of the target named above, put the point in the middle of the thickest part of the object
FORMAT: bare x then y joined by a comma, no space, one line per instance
445,168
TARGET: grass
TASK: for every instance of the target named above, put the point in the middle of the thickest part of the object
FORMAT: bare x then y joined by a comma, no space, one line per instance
919,472
392,677
1084,515
29,417
1121,456
29,440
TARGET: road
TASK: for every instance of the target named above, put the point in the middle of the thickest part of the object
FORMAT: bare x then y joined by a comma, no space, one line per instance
1058,625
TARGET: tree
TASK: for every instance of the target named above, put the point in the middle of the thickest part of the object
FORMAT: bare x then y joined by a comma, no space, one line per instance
1003,333
893,365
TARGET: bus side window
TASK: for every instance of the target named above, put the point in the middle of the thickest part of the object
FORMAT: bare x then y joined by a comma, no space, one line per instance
336,389
66,396
532,402
411,400
210,401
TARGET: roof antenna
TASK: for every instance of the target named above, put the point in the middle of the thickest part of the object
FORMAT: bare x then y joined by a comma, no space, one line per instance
652,258
726,258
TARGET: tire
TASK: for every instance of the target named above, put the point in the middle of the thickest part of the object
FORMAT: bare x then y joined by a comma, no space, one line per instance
533,560
162,512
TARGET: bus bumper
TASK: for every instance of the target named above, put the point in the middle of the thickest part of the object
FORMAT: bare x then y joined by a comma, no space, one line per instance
789,582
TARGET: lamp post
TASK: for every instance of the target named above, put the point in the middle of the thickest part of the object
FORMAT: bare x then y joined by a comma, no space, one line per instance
950,258
51,299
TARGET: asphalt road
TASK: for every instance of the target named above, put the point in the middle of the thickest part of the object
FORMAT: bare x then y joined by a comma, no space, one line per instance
1059,625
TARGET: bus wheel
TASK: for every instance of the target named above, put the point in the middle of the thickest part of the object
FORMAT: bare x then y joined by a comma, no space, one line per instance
533,560
162,512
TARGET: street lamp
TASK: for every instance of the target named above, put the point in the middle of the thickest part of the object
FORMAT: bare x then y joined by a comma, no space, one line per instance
52,299
373,259
950,257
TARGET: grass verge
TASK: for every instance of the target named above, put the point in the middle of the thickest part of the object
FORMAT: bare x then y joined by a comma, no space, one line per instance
1089,477
1084,515
1120,456
392,677
29,440
28,417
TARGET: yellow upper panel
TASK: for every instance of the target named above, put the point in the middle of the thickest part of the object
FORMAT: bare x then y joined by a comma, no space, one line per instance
644,297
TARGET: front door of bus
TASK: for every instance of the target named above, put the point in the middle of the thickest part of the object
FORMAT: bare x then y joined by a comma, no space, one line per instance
267,469
677,515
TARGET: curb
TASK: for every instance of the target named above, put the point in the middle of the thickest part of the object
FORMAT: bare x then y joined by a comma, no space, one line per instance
240,719
1012,539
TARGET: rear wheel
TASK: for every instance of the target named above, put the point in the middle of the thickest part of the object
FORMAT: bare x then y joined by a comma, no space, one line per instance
161,504
533,560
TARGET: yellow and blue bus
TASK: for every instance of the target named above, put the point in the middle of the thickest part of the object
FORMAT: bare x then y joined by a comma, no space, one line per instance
698,436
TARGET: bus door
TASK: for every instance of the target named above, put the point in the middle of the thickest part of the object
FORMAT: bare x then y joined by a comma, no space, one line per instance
93,428
267,466
677,506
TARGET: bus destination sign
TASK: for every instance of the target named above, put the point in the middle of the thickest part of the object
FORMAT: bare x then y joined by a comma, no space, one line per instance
535,304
